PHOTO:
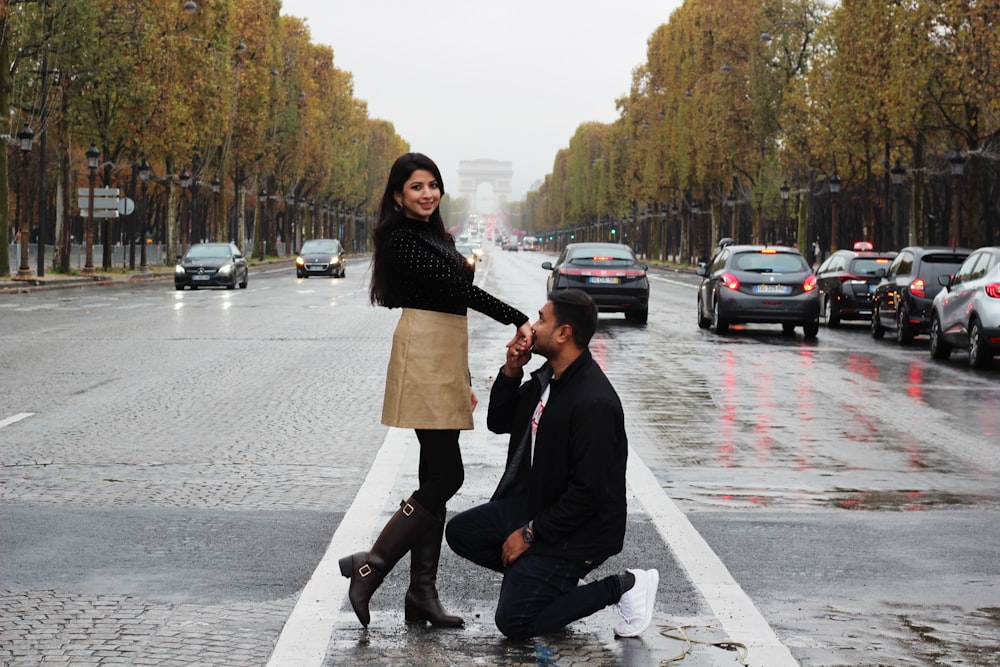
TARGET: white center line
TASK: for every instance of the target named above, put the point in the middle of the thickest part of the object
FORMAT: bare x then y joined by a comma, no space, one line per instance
16,418
738,615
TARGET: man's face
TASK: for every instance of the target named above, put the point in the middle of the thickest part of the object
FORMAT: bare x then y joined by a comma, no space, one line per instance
549,336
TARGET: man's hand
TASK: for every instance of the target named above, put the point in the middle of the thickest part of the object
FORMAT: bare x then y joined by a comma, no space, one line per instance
513,547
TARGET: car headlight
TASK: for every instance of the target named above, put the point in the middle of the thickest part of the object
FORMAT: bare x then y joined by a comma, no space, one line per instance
300,261
471,261
179,270
225,270
335,260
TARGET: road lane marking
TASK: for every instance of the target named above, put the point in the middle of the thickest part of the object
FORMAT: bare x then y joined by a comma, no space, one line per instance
16,418
736,612
306,634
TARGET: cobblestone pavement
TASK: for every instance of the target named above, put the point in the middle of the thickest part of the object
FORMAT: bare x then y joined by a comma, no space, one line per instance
269,450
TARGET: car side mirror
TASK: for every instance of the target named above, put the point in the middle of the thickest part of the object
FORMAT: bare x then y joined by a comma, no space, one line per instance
945,281
644,266
702,271
880,273
547,266
178,258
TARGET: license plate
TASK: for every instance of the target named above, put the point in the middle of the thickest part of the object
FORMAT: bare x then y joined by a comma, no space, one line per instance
602,280
772,289
201,277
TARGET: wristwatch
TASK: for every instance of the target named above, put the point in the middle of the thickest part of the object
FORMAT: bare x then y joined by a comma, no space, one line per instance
527,534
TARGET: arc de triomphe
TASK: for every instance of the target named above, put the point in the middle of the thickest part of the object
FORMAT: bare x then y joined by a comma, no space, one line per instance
472,173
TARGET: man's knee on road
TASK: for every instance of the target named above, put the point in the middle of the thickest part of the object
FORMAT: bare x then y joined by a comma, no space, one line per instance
512,626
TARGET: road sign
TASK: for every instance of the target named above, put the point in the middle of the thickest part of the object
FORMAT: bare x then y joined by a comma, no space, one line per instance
107,203
99,192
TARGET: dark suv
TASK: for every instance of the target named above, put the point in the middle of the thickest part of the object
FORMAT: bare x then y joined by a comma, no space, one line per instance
846,281
902,300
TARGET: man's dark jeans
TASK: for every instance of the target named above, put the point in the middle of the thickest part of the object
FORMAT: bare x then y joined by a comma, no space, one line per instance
539,594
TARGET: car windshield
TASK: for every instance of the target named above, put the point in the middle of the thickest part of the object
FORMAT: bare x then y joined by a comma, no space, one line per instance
321,246
769,262
208,251
869,266
601,256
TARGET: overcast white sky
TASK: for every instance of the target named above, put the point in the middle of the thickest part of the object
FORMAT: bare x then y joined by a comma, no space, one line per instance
504,80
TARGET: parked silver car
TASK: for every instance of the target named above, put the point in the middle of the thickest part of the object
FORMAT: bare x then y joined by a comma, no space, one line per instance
966,313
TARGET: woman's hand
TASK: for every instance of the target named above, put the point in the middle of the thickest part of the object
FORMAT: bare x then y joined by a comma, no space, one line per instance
523,339
475,399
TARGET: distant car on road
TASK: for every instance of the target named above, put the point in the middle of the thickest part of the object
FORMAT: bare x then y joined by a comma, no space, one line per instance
608,272
902,299
966,313
758,284
472,253
847,280
321,257
211,265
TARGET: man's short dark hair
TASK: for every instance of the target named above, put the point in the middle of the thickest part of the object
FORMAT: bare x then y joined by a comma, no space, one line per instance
575,308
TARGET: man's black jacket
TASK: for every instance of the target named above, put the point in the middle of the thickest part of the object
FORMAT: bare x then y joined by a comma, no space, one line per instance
576,486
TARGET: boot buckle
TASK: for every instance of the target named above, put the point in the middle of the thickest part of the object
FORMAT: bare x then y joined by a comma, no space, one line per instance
365,570
407,509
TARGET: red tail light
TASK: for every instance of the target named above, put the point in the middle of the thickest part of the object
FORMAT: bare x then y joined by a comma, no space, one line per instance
917,288
730,281
810,284
993,290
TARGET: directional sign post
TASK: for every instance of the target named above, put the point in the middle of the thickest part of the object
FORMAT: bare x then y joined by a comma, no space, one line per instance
106,202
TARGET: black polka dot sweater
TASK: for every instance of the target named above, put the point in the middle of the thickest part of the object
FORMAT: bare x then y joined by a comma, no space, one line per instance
428,273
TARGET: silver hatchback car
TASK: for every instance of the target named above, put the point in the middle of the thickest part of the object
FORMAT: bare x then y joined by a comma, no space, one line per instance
966,313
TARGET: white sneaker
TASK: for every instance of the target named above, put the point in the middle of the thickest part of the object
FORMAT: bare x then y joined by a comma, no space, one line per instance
636,605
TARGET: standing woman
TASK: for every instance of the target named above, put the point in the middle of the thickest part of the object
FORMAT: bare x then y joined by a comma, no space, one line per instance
416,267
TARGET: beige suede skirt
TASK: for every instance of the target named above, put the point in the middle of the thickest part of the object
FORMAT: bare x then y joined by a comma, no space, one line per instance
427,382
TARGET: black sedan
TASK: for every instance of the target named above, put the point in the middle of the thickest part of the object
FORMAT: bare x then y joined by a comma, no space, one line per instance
608,272
759,284
211,265
321,257
847,280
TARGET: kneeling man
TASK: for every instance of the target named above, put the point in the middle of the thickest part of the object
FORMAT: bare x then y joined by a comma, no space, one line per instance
559,509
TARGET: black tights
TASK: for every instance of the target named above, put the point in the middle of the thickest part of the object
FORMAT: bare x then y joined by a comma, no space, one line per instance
440,471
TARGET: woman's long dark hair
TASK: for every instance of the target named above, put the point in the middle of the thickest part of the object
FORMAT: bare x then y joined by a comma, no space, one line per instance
390,215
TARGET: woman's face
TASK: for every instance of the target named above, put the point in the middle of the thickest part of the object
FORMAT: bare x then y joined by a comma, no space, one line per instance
420,195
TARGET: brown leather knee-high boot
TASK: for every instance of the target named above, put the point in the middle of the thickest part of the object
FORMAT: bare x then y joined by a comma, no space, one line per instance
366,570
421,602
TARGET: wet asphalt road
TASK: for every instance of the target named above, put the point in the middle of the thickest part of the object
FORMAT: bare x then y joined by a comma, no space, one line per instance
188,456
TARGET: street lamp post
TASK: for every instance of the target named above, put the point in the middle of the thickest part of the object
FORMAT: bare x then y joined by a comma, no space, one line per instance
262,226
957,162
834,211
185,211
214,234
897,173
785,190
93,160
25,137
144,171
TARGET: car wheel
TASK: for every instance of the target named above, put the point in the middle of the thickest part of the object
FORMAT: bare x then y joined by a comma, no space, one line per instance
179,288
832,314
878,331
940,349
231,285
810,330
703,322
637,316
979,350
904,334
246,279
298,274
787,329
719,324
